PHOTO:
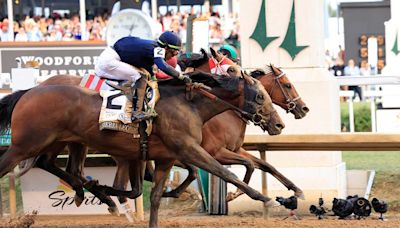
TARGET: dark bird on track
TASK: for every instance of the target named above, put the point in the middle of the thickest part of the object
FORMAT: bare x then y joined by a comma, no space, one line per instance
379,206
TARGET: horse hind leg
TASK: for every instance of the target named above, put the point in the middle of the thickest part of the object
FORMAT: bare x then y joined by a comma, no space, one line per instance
75,165
45,162
10,159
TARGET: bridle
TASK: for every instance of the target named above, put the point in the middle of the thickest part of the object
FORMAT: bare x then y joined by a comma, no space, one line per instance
256,118
290,102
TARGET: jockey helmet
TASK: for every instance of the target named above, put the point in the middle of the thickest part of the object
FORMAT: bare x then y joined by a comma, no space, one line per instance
170,39
229,51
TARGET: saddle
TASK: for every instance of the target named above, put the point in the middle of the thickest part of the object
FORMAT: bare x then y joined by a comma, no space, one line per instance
116,110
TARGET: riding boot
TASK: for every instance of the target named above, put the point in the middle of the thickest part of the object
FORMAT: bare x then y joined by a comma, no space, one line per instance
139,92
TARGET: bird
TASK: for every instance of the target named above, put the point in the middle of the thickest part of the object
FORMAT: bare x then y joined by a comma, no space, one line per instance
319,210
379,206
289,203
361,207
342,208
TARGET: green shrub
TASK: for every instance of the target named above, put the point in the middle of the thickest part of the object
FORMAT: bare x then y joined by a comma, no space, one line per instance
362,116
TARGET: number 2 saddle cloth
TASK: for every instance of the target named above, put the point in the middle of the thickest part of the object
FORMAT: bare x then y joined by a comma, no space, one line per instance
116,109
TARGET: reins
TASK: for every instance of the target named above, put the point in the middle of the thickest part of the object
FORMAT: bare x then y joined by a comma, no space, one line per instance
202,89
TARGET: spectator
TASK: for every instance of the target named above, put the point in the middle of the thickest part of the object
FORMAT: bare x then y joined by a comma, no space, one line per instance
352,70
4,31
21,35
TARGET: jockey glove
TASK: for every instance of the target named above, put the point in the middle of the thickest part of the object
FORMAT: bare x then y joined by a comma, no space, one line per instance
185,78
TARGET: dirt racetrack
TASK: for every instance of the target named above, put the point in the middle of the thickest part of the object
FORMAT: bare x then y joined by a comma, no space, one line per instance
198,220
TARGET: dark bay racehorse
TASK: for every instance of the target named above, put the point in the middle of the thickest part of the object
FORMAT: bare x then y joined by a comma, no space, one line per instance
177,131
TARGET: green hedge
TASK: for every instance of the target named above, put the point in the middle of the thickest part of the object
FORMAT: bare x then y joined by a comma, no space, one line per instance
362,116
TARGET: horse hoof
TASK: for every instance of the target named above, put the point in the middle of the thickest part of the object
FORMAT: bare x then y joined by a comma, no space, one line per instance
230,196
299,194
113,210
170,194
78,200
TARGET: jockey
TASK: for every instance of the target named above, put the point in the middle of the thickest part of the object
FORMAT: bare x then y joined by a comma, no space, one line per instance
116,63
230,52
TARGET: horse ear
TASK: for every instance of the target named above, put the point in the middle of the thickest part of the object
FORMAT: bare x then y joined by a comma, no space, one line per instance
213,52
248,79
274,69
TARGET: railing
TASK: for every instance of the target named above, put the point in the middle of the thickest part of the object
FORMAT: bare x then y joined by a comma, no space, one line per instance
372,95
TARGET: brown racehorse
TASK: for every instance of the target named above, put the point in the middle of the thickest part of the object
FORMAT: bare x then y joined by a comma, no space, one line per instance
220,139
223,134
177,131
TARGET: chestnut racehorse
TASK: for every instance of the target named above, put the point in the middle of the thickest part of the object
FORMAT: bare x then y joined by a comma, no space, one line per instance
177,131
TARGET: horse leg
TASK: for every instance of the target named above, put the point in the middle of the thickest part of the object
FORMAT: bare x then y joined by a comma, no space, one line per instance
266,167
192,175
75,166
10,159
227,157
160,176
46,162
200,158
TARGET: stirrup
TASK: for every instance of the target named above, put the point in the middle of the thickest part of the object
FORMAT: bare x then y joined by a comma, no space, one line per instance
138,117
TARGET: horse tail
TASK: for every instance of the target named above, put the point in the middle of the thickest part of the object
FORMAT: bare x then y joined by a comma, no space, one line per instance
7,105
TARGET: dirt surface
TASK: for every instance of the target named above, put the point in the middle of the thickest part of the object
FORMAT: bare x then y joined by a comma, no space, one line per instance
174,218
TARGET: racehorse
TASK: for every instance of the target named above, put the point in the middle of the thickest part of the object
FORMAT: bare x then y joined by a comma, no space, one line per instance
53,118
222,140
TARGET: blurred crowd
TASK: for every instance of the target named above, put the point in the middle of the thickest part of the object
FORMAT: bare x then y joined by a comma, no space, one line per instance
68,28
339,68
54,28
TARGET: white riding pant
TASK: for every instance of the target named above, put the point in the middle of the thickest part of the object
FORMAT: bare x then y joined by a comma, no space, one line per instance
109,65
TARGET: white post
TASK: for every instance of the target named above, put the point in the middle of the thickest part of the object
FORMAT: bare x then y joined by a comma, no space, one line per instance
82,14
351,114
10,20
373,115
154,9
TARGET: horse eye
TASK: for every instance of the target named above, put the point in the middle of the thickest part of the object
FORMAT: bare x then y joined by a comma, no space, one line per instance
289,86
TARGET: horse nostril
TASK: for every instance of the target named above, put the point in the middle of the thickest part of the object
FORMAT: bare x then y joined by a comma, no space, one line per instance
279,126
305,109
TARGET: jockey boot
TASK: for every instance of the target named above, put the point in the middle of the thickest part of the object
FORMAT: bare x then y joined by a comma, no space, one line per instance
139,92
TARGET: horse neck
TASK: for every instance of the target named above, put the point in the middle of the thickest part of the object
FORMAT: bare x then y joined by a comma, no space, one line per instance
204,107
268,81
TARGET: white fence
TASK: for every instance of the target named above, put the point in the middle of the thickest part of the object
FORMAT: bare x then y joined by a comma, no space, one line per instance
371,95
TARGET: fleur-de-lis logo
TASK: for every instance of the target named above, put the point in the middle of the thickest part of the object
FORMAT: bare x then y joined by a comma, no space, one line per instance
289,42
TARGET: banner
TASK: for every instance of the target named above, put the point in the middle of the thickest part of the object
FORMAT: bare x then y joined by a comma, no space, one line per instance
49,195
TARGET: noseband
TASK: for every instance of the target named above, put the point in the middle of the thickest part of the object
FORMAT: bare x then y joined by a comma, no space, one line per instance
290,102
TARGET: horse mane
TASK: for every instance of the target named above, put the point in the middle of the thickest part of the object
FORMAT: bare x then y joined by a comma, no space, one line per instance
259,72
211,80
193,59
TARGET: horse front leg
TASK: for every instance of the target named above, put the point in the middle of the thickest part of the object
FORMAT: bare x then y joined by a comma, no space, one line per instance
200,158
160,176
227,157
266,167
192,175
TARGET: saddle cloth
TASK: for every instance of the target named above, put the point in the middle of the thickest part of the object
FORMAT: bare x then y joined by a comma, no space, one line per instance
116,109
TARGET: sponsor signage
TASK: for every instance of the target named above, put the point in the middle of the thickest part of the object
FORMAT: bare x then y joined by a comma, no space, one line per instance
53,59
48,194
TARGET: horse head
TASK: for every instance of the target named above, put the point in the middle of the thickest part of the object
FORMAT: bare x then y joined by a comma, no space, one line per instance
281,90
253,100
